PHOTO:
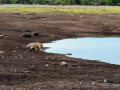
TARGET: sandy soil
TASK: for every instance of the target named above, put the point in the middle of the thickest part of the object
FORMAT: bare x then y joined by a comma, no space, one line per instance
23,69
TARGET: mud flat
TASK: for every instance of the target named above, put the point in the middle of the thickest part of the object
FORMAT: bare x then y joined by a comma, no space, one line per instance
23,69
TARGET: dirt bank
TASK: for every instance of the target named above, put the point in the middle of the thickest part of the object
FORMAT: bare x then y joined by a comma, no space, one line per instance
22,69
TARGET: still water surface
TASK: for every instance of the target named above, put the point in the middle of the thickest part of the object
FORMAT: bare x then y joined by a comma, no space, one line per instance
102,49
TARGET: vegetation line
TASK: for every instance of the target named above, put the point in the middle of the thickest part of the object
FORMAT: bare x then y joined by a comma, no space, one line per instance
63,2
59,9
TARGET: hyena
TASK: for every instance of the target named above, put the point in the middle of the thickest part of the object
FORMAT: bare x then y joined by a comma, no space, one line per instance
35,46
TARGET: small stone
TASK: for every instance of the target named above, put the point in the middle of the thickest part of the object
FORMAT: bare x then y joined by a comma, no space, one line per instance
68,54
32,57
15,51
63,63
2,52
81,83
26,35
53,58
106,24
81,16
5,36
1,35
47,65
46,58
33,66
105,80
93,83
27,71
2,56
118,28
15,70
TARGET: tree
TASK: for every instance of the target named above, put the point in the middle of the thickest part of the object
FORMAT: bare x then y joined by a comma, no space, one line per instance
115,2
78,2
108,2
58,2
69,2
85,2
102,2
66,2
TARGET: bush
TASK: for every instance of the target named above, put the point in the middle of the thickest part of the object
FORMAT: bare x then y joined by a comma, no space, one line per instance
58,2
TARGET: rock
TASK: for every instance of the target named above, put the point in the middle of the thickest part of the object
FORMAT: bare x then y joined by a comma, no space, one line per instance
81,83
46,58
15,70
5,36
2,52
26,35
35,34
118,28
53,58
105,80
47,65
111,28
81,16
27,71
68,54
106,24
1,35
33,66
93,83
63,63
108,81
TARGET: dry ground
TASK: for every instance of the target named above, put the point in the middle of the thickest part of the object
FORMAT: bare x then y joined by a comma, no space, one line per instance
22,69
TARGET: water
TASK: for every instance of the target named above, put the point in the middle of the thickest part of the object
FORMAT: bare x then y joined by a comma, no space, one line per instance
102,49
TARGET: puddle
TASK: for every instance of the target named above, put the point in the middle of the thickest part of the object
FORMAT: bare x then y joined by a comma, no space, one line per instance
102,49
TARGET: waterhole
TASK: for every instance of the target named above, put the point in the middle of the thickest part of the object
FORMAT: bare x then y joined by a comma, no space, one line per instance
102,49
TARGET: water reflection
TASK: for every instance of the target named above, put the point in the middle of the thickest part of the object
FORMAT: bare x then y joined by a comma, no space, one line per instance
103,49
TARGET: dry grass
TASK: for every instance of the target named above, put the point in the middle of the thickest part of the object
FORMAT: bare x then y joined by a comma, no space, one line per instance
59,9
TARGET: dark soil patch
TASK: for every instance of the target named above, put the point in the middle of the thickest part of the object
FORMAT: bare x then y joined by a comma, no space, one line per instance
22,69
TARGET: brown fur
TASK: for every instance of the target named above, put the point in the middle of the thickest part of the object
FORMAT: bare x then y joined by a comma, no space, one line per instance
35,46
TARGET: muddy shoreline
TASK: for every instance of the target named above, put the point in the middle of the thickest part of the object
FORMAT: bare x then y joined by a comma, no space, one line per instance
23,69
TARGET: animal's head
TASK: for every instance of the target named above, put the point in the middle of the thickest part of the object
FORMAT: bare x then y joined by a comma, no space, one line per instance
41,46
